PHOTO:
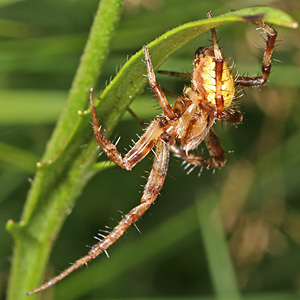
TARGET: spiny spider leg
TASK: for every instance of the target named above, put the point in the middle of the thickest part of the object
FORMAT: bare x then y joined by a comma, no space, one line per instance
156,89
217,157
266,63
169,93
233,116
219,60
141,148
136,117
155,182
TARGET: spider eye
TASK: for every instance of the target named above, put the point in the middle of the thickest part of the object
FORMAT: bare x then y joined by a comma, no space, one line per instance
203,52
199,52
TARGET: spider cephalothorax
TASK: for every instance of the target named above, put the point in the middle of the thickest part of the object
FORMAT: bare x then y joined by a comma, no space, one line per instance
180,129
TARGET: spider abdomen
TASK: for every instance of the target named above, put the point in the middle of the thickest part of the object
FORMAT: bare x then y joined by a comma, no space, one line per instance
205,77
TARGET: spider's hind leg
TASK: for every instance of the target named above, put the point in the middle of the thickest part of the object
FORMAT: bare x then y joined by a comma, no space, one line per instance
266,62
215,160
176,74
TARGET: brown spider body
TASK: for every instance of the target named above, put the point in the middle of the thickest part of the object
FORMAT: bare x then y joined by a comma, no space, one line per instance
195,122
188,121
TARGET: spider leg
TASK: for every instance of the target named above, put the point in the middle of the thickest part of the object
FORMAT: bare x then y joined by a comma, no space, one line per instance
169,93
233,116
155,182
136,117
219,60
266,62
176,74
169,113
217,157
141,148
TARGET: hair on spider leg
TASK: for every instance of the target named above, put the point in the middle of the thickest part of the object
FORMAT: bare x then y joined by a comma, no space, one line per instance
183,162
239,92
200,171
231,61
113,219
122,213
97,238
277,61
219,37
104,231
191,169
259,48
277,42
136,227
188,164
100,153
264,36
106,253
116,140
102,235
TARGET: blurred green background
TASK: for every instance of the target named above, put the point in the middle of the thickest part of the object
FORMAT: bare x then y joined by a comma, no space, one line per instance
249,209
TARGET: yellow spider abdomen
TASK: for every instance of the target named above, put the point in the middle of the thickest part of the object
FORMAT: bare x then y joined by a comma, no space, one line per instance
204,78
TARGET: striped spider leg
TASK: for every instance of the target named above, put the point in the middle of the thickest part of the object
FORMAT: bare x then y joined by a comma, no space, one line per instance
266,62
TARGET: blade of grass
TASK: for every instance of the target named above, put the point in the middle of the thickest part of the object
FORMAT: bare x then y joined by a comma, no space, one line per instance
217,252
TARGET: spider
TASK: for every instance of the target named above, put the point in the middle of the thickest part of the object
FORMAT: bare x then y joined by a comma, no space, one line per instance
188,122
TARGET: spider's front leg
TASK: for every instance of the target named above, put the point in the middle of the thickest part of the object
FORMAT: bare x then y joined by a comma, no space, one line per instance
139,150
166,107
266,63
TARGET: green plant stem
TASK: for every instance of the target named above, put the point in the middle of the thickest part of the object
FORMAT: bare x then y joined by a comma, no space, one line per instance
63,175
91,64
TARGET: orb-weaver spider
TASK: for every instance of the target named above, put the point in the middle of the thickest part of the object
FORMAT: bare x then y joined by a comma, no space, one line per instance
188,121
